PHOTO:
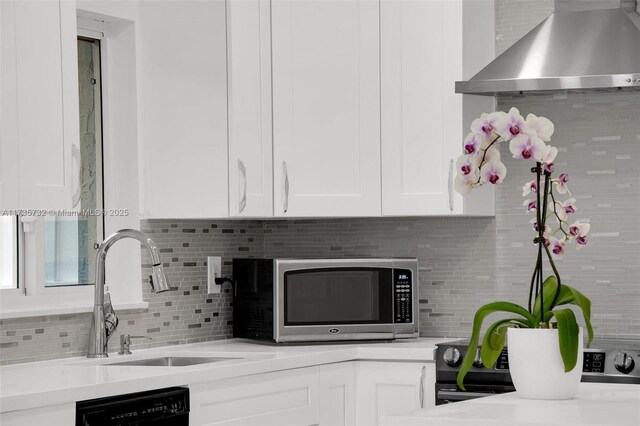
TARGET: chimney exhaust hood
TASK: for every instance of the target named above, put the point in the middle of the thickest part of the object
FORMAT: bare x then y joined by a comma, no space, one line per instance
570,50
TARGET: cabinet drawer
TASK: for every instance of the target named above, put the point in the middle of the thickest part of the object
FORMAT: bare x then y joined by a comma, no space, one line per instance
281,398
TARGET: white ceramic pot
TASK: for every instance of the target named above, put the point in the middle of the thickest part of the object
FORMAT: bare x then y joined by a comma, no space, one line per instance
536,365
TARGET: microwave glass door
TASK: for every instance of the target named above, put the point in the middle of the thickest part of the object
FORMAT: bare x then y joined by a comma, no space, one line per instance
332,296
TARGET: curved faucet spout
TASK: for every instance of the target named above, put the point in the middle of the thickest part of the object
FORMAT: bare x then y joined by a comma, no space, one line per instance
159,282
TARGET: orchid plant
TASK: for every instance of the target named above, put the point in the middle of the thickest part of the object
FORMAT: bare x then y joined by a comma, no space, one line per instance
554,231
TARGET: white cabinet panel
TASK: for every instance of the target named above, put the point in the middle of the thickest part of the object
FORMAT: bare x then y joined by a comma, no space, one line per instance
46,117
9,170
390,388
52,415
326,108
282,398
422,116
415,154
249,105
338,394
183,109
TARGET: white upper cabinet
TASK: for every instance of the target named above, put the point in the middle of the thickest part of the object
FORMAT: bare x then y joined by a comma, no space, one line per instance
183,108
39,106
422,44
9,170
326,108
249,103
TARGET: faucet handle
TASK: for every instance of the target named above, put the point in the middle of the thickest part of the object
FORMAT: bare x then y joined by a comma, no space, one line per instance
125,342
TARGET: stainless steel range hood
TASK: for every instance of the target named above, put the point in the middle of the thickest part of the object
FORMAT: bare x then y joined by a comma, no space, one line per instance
586,49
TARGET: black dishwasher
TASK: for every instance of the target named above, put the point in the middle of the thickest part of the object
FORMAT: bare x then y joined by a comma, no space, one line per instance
168,407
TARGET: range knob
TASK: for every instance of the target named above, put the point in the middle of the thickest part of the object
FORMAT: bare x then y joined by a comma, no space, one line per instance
451,357
623,362
477,361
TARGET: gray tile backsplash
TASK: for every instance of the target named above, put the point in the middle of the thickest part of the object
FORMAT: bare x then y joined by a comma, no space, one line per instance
464,262
187,314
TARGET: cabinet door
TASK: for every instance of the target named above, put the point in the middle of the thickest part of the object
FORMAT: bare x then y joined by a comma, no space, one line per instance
51,415
338,394
326,107
281,398
423,120
249,82
47,114
9,170
391,388
421,115
183,109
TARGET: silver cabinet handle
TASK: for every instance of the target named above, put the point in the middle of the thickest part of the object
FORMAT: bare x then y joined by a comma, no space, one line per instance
451,185
242,173
75,157
422,377
285,187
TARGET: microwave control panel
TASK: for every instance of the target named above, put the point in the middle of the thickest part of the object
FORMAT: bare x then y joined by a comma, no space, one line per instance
402,290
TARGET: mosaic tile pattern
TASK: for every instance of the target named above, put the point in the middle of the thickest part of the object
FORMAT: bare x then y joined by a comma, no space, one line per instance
187,314
515,18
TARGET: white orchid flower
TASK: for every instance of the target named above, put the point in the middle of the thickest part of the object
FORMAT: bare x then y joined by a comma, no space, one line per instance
534,224
541,127
549,156
531,205
463,185
580,230
529,187
561,184
511,124
493,172
492,155
564,208
527,147
557,246
473,143
569,205
466,167
487,124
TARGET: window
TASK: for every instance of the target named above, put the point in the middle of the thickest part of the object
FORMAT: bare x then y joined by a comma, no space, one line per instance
70,241
8,252
49,261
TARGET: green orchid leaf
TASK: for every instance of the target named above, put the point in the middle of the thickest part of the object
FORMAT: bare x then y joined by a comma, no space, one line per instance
567,296
493,342
568,332
479,317
571,296
549,288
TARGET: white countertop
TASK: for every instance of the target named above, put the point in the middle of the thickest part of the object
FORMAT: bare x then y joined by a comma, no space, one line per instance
37,384
595,404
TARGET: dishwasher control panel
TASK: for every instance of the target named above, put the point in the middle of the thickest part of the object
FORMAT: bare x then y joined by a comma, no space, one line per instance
162,406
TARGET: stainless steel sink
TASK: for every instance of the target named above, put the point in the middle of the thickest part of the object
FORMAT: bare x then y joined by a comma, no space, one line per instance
172,361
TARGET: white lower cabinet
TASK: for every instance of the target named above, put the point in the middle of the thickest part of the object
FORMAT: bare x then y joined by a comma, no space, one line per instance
287,397
52,415
338,394
392,388
344,393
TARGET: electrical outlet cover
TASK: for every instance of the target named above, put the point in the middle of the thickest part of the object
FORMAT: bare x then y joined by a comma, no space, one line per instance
214,270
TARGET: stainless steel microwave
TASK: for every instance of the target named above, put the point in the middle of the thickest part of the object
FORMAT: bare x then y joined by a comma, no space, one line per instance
306,300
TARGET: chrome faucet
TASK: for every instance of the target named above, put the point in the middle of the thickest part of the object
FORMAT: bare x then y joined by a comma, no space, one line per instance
97,333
